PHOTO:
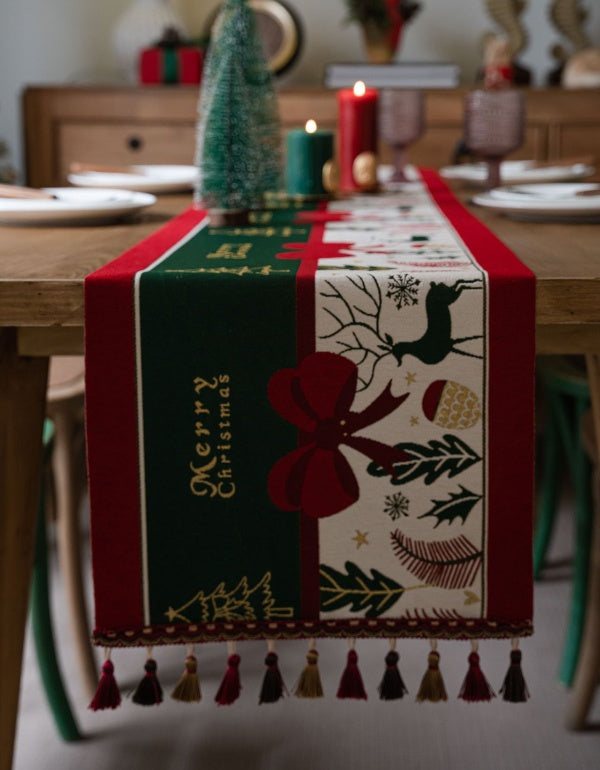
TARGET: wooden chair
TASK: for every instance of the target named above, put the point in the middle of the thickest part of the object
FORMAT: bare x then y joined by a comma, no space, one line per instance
587,675
565,396
65,407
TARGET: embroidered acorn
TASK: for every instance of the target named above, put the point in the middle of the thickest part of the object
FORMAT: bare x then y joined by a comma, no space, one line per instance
451,405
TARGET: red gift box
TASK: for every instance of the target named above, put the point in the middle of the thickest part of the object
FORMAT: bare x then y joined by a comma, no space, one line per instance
171,64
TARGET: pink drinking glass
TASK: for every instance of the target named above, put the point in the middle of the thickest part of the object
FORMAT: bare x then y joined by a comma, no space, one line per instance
401,122
494,123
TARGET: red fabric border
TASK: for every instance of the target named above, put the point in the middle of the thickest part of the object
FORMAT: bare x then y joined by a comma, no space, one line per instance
510,416
112,447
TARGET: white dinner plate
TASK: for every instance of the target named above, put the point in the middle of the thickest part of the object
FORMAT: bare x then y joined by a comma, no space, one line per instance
74,206
558,201
152,179
518,172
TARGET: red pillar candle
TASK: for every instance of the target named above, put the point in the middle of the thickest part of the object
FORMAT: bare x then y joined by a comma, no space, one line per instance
357,125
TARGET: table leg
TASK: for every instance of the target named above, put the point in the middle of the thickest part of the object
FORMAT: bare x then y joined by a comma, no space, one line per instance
588,667
23,384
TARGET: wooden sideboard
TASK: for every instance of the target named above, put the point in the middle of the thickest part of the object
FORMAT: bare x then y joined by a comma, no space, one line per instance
147,124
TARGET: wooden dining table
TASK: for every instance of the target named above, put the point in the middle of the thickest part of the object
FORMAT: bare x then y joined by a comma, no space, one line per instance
42,272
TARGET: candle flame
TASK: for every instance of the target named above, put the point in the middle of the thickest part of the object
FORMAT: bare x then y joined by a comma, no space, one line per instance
311,126
359,88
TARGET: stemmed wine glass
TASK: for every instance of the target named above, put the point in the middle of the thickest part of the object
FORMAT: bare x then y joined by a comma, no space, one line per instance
494,124
401,122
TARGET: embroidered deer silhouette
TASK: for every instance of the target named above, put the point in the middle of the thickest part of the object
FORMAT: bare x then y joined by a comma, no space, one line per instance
437,341
360,337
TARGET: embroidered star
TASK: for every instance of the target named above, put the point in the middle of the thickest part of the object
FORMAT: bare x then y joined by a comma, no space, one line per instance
414,420
410,378
361,538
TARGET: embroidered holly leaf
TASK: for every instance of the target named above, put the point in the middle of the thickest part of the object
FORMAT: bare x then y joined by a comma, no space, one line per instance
451,455
448,563
375,593
459,505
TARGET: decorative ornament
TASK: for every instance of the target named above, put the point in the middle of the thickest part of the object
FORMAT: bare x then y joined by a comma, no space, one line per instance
364,171
107,695
141,25
506,14
309,684
238,149
187,690
148,692
382,23
392,686
432,685
475,686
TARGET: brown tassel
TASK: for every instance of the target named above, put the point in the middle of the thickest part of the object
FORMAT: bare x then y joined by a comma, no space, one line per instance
187,689
230,687
309,684
148,692
514,688
475,687
432,685
273,687
351,683
392,685
107,695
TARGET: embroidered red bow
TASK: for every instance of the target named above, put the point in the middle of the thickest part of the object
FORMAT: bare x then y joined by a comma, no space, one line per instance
317,398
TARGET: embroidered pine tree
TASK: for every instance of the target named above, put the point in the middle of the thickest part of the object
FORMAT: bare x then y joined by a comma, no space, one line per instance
238,143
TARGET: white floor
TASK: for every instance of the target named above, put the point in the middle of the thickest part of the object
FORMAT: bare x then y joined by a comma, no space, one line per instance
325,734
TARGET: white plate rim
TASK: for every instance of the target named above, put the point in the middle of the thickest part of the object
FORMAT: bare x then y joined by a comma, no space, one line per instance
517,172
152,178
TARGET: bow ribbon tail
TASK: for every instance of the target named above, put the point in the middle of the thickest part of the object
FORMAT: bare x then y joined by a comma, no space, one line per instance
383,405
384,455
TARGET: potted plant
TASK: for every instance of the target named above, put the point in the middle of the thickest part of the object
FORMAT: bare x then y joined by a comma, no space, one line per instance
381,22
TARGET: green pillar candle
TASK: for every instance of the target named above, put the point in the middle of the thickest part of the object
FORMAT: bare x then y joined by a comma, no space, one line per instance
308,149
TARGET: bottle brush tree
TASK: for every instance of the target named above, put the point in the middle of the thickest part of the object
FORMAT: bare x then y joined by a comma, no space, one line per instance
238,143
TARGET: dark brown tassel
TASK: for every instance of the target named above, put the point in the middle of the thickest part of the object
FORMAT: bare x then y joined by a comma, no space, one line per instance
148,692
475,687
187,689
107,695
514,689
432,685
351,683
392,685
273,687
230,688
309,684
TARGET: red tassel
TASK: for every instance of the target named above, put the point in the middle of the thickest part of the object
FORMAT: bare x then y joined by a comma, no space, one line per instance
187,689
148,692
230,687
351,683
309,684
273,687
514,688
392,685
475,686
107,695
432,685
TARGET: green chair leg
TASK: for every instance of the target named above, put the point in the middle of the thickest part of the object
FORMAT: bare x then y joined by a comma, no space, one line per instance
566,397
41,621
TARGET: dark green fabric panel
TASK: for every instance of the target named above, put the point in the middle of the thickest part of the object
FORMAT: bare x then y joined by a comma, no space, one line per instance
214,329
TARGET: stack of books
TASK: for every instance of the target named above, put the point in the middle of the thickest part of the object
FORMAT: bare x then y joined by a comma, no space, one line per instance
393,75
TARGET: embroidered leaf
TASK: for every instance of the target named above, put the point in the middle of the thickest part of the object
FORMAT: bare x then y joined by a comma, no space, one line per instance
451,455
447,563
376,593
459,505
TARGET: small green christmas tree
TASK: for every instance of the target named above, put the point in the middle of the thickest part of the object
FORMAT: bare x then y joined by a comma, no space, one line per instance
238,143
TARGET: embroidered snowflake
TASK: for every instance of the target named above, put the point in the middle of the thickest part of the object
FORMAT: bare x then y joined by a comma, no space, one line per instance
403,289
396,505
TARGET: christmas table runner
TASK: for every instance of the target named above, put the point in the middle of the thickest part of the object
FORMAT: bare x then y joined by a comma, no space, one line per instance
316,424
